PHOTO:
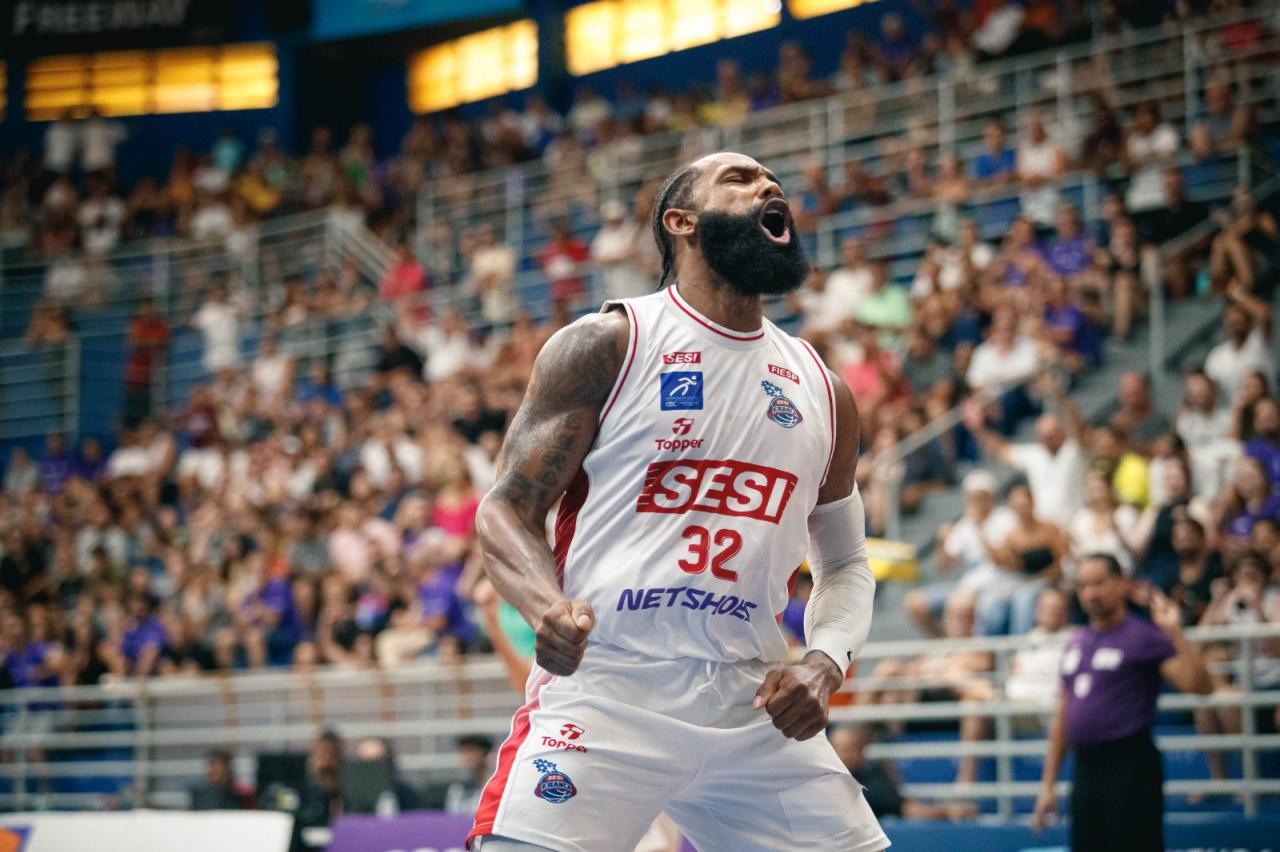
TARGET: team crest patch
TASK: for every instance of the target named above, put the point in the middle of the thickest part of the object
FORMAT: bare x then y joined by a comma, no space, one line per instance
781,410
554,786
681,391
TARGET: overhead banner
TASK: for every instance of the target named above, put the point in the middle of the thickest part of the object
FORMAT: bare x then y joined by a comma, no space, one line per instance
146,831
70,26
335,19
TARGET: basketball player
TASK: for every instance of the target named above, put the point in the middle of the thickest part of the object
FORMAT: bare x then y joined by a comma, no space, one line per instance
700,452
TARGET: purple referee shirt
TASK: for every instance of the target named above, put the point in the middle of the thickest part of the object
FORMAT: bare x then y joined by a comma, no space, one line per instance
1112,679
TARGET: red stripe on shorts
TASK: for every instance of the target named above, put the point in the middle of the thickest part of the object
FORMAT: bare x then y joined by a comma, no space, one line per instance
491,798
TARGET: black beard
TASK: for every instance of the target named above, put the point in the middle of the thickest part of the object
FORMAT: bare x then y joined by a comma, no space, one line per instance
737,250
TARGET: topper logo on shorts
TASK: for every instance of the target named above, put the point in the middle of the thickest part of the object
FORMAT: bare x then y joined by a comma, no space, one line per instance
784,372
720,487
554,786
571,731
682,357
781,410
681,391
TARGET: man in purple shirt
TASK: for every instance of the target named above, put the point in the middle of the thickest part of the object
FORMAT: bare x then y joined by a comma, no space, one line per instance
1265,443
144,637
1070,252
1111,671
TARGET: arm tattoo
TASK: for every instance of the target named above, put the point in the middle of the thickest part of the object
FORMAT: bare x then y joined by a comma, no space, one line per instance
556,423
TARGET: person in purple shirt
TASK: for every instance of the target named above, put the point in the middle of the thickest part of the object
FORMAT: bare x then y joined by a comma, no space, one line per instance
1265,443
145,636
1069,327
441,607
272,610
1070,252
1111,672
57,465
1251,500
91,462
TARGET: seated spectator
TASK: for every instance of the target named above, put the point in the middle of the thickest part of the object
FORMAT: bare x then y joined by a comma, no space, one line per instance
1215,131
965,545
1102,526
849,283
1264,446
1033,551
563,259
1198,568
614,251
1033,677
1136,416
886,307
815,200
377,750
492,276
928,370
1039,163
1152,537
21,474
463,796
1064,326
997,164
1200,420
405,278
1150,146
1069,252
1169,221
1247,500
1245,250
1246,324
1003,362
219,790
1254,388
998,29
879,780
896,50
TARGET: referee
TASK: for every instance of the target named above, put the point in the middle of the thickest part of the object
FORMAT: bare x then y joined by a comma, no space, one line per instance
1111,672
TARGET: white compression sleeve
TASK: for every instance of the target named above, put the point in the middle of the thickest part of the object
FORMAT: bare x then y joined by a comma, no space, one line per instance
838,615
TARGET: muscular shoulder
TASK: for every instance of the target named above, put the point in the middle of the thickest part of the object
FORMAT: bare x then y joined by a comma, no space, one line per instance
579,364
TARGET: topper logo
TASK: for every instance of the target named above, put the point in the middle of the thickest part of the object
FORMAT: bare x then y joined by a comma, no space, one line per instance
681,425
719,487
682,357
784,372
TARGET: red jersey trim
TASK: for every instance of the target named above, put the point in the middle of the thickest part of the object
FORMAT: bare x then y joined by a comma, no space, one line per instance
567,519
831,404
496,788
707,324
633,345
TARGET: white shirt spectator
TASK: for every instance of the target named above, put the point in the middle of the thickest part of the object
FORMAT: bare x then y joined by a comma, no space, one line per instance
446,353
1227,365
1034,676
270,375
220,328
992,364
1146,186
60,142
1040,204
132,460
21,477
999,29
100,223
211,221
612,249
66,280
376,460
1086,539
954,272
493,269
967,544
846,289
1056,479
1196,428
100,140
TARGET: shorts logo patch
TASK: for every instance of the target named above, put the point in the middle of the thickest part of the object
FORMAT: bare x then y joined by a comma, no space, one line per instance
781,410
571,731
554,786
681,391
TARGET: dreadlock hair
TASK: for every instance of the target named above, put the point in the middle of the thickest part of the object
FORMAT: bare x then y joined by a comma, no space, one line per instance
674,192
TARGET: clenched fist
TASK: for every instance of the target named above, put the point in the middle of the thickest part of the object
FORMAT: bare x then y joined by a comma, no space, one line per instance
796,697
561,636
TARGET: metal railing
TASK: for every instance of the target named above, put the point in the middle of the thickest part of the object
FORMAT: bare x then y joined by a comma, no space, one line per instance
146,738
43,388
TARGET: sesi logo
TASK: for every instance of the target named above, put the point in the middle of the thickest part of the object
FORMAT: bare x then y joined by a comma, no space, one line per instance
681,425
719,487
682,358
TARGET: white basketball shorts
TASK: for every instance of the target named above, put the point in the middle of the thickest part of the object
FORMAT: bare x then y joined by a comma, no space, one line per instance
593,758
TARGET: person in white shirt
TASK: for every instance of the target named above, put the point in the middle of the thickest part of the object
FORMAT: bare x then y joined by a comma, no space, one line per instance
1005,357
101,217
1034,676
100,137
614,250
212,218
61,140
271,373
1200,419
1040,164
446,347
965,545
21,474
1149,148
219,325
849,283
968,256
1100,526
492,273
999,29
1054,464
1246,322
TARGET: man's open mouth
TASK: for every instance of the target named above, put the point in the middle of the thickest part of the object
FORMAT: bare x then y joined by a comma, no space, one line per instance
775,221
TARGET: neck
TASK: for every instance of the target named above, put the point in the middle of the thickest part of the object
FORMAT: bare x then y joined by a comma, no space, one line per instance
716,300
1108,621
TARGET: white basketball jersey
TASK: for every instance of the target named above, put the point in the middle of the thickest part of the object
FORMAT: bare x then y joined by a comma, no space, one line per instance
689,516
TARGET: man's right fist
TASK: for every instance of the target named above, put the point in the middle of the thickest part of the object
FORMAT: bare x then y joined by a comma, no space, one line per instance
561,636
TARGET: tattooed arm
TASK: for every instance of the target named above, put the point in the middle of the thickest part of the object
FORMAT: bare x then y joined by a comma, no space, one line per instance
547,441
